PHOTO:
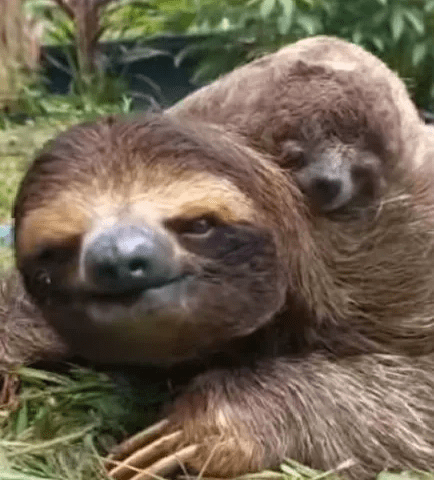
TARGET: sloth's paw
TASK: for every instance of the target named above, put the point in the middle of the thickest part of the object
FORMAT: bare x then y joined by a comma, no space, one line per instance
212,446
156,451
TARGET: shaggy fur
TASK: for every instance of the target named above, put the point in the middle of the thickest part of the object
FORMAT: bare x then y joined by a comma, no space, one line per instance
25,336
319,86
335,361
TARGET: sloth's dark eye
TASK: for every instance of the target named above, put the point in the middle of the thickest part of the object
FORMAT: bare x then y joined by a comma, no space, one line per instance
193,227
41,283
59,253
47,255
200,226
42,278
55,255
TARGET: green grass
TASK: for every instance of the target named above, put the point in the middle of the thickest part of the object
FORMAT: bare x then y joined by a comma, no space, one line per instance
18,143
59,426
62,424
17,146
6,258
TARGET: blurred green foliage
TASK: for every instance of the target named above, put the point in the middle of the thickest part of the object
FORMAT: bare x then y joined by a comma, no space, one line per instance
401,32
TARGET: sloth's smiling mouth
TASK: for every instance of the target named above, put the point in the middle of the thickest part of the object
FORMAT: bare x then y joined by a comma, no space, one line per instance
131,296
136,304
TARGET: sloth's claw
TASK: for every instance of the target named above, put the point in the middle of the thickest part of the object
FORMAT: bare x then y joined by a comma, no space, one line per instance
144,457
148,454
134,443
168,465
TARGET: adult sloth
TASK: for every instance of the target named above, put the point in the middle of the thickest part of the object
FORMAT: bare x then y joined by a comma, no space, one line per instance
297,274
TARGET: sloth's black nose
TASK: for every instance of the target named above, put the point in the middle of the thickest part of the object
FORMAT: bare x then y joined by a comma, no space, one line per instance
326,190
129,257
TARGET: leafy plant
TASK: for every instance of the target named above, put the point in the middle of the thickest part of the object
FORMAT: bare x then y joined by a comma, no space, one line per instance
19,50
401,32
82,25
77,23
62,424
134,18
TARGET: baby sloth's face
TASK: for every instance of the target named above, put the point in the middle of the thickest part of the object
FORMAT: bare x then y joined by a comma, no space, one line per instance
136,251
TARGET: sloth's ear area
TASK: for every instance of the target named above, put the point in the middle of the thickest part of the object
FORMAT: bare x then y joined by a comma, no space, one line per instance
334,178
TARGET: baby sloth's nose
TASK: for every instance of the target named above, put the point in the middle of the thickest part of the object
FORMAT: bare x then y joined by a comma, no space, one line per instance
129,258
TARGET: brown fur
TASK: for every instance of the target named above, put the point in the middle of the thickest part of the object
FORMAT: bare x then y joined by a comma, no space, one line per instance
320,346
24,335
319,86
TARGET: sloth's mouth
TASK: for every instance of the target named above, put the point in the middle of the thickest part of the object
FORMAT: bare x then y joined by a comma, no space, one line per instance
135,305
133,295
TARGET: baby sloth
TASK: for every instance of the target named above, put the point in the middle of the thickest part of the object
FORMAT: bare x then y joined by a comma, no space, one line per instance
203,237
323,107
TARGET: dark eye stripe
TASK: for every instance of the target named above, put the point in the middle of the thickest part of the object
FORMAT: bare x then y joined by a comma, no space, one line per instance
59,252
193,226
199,227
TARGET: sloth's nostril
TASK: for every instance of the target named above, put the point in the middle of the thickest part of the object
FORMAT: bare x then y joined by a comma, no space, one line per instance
138,267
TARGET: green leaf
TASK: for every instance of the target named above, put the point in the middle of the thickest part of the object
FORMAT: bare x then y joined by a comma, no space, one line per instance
429,6
405,476
288,7
284,22
357,37
19,476
308,23
378,43
419,53
35,376
140,53
415,18
390,476
207,71
291,472
22,419
301,469
309,3
397,24
379,18
180,21
266,8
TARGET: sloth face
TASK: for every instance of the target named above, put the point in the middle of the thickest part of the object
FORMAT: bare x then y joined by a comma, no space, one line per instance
137,250
336,177
152,241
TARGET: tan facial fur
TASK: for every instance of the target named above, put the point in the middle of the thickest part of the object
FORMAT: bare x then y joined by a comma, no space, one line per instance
97,194
79,213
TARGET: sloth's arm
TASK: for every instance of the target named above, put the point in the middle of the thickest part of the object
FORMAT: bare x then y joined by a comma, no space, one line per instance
376,410
25,337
